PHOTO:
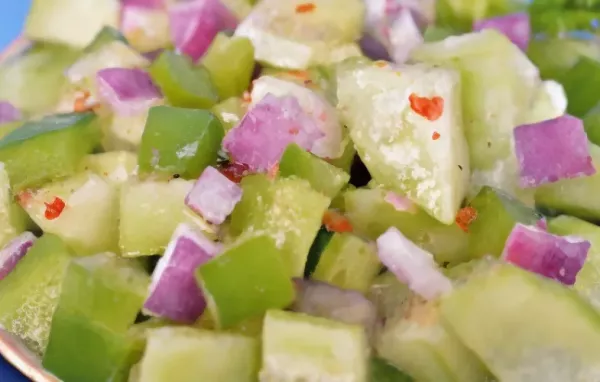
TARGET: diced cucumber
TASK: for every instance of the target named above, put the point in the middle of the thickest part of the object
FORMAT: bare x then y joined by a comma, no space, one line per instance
116,167
89,221
179,141
71,22
261,281
348,262
371,216
187,355
13,220
524,327
29,294
181,83
230,112
347,158
499,84
422,157
150,212
322,176
41,67
59,141
549,103
381,371
389,295
497,214
588,279
576,196
555,56
230,62
146,29
124,132
298,347
106,35
287,209
417,342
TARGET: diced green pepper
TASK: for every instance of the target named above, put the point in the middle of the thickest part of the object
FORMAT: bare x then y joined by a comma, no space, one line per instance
322,176
188,355
106,35
591,123
348,262
30,293
381,371
116,167
183,84
59,143
581,83
13,220
555,56
287,209
230,62
497,214
230,112
245,281
179,141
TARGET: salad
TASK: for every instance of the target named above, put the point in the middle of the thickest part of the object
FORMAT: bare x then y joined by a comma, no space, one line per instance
291,190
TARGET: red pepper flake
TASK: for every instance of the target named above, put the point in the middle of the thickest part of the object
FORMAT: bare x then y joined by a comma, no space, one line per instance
80,105
247,98
302,74
294,130
273,171
235,171
305,8
54,209
336,222
465,217
24,197
430,108
435,136
381,64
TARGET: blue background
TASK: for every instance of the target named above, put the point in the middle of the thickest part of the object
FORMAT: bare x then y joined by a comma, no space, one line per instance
12,17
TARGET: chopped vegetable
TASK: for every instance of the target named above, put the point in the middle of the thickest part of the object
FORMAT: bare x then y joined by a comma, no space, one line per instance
515,26
336,222
13,251
146,28
127,91
13,220
8,113
213,196
230,112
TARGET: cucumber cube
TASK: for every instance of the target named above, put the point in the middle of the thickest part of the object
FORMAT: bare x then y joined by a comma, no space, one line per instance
497,214
187,355
106,35
389,295
116,167
322,176
30,293
150,211
13,220
524,327
381,371
580,83
417,342
287,209
179,141
301,347
89,221
71,22
230,112
230,62
550,102
181,83
348,262
555,56
60,141
124,132
245,281
423,156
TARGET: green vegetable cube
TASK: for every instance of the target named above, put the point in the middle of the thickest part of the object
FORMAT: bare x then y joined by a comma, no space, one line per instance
230,112
230,62
348,262
306,348
179,141
381,371
555,56
581,82
13,220
30,293
322,176
591,123
245,281
116,167
187,355
287,209
106,35
181,83
58,142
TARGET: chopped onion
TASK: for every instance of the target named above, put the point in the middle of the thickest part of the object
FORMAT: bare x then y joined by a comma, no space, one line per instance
552,150
8,113
127,91
146,28
174,293
542,224
401,203
412,265
555,257
267,129
14,251
324,300
194,25
213,196
515,26
148,4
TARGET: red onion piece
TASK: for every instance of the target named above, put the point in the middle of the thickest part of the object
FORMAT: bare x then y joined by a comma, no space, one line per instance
401,203
14,251
148,4
552,150
556,257
194,25
412,265
542,224
174,293
127,91
213,196
267,129
515,26
8,113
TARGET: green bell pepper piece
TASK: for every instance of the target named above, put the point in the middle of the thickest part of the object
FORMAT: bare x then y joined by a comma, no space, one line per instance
179,141
591,123
581,83
381,371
